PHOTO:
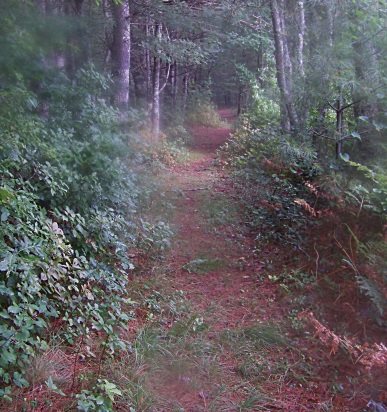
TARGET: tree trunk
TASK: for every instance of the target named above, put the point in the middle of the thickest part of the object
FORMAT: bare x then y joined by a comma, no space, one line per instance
339,126
331,17
108,37
120,54
175,83
240,100
301,36
288,113
148,64
286,54
156,88
260,65
77,52
185,87
358,107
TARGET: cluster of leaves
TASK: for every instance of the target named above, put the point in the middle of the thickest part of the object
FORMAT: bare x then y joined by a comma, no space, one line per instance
273,172
200,109
368,190
263,111
168,150
67,207
164,152
289,180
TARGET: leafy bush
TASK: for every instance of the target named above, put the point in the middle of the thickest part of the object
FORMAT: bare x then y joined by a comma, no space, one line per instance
369,191
163,153
200,109
178,135
280,207
67,207
263,112
101,399
43,278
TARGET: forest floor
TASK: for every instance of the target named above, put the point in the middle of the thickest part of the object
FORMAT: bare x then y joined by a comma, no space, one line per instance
211,331
231,340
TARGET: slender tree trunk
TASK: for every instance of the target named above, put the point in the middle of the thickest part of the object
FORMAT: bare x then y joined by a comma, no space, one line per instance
286,54
360,53
331,17
148,63
240,99
108,36
301,36
156,88
185,87
175,83
288,112
339,126
77,52
120,54
260,65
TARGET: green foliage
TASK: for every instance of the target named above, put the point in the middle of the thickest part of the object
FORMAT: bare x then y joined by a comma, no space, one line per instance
178,134
44,278
164,152
67,203
372,280
371,192
278,217
256,337
263,113
279,208
200,109
101,399
151,242
372,290
293,279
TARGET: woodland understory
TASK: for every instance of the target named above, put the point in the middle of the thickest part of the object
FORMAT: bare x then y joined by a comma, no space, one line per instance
193,205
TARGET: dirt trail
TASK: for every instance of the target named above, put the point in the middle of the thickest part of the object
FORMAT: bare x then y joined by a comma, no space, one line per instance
204,233
209,262
234,349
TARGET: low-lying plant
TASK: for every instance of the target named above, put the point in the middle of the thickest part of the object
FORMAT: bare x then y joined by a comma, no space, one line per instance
272,175
68,198
201,266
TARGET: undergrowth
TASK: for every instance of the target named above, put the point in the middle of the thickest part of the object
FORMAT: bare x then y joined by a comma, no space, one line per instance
201,110
69,201
272,175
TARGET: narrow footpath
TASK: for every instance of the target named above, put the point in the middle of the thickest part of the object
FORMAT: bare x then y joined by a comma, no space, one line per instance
234,356
219,335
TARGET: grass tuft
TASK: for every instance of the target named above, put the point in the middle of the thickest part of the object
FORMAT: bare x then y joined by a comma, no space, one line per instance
201,266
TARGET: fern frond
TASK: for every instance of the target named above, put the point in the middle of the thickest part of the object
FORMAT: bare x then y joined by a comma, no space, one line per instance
296,151
372,290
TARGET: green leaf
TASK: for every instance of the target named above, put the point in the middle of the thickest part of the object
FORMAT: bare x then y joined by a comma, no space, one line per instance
356,135
378,125
51,385
6,195
4,214
4,264
19,380
15,309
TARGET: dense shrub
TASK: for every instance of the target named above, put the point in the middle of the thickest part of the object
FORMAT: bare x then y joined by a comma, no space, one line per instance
263,112
274,173
67,204
200,109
